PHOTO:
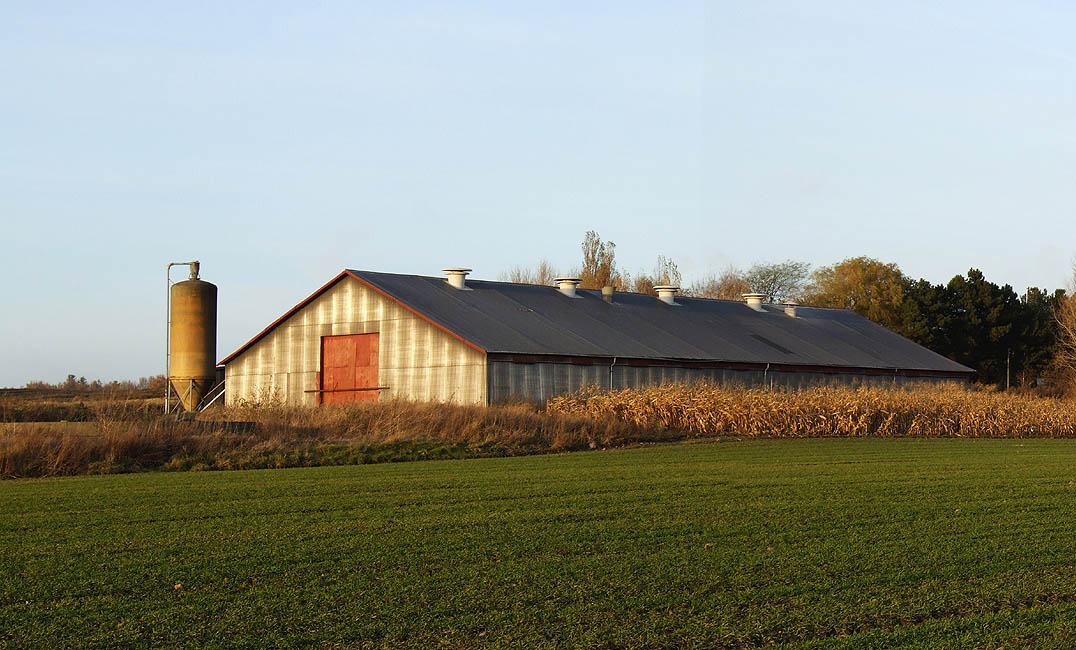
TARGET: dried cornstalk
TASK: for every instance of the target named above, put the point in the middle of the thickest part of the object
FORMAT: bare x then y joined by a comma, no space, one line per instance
709,409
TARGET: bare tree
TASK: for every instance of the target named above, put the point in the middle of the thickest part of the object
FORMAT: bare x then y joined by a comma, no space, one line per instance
1065,354
599,270
542,274
665,272
778,282
730,285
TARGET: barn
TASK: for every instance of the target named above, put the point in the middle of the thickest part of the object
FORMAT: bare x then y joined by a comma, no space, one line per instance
376,336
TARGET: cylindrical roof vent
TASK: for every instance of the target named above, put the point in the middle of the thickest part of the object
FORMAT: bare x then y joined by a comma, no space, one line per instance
754,300
457,277
790,308
667,293
567,286
607,293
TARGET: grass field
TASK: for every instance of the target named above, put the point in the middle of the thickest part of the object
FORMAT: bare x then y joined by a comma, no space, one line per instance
814,543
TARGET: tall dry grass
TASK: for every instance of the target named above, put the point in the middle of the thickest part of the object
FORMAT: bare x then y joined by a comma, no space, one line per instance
279,436
55,405
119,438
708,409
511,426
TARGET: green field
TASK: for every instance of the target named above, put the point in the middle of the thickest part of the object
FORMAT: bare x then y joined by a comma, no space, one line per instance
825,543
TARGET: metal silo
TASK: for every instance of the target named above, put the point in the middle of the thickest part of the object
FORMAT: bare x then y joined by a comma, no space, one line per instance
192,339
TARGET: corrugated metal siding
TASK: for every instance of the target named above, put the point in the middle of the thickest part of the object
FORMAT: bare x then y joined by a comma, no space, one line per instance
416,360
537,382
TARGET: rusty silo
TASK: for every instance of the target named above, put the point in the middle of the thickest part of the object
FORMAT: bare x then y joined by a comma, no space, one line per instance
192,339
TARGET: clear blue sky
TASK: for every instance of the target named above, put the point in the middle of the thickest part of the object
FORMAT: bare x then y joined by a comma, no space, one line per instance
281,143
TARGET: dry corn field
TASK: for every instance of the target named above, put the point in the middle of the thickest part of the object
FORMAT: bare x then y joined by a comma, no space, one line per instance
708,410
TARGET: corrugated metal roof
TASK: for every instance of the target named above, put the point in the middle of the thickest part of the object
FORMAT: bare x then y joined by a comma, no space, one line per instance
502,317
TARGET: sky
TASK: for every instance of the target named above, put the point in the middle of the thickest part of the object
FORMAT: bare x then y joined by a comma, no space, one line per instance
279,143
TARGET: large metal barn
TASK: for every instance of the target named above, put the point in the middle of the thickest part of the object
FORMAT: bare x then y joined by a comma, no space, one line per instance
371,336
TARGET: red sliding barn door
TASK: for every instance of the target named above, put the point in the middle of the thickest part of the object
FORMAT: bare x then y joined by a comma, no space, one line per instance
349,368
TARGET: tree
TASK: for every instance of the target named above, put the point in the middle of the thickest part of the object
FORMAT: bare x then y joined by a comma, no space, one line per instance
730,285
542,274
1065,353
1038,336
1005,337
866,286
665,272
1009,339
599,263
984,327
778,282
925,315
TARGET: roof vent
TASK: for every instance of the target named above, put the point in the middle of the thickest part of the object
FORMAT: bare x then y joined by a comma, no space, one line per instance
607,293
667,293
567,286
754,300
457,277
790,308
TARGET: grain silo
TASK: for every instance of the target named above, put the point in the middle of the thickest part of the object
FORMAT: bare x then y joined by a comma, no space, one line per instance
192,338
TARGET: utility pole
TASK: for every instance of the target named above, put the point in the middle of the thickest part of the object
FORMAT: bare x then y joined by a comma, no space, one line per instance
1008,365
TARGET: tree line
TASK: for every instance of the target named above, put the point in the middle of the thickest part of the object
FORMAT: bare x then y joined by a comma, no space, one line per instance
599,269
1009,339
81,384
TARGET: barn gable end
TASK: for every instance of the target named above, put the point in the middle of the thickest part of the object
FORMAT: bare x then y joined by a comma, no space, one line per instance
416,359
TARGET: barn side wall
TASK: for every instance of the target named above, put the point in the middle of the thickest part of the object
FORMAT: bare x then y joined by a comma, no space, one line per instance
417,360
537,382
